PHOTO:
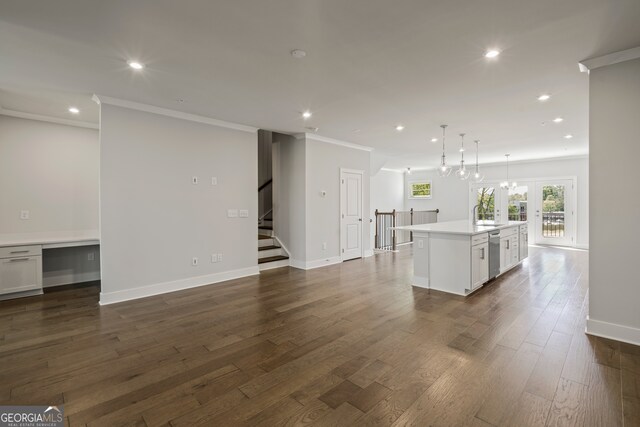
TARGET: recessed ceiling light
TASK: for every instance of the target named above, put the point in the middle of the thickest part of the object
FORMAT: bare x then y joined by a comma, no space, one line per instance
558,120
298,54
135,65
568,136
434,139
492,53
74,110
399,128
306,114
544,97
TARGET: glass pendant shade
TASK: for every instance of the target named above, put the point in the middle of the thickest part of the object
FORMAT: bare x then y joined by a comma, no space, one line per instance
462,172
506,185
444,170
477,176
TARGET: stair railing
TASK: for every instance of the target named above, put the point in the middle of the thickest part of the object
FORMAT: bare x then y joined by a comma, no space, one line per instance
387,239
265,200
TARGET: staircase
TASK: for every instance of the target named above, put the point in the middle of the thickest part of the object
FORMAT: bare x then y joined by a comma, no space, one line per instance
270,253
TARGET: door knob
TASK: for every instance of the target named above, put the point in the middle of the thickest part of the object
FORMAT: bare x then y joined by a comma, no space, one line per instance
360,219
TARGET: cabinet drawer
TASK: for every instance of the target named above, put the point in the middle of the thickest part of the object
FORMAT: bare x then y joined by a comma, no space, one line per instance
20,274
20,251
524,228
506,232
479,239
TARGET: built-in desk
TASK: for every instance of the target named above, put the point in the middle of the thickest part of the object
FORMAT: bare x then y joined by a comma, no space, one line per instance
22,256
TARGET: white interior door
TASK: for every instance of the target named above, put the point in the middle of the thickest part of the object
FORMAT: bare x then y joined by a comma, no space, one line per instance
554,212
351,214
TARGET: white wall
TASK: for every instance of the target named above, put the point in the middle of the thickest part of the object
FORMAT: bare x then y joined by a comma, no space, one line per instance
323,163
154,220
50,170
387,194
451,195
614,127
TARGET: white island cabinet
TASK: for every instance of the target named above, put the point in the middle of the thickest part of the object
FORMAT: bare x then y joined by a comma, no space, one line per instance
455,256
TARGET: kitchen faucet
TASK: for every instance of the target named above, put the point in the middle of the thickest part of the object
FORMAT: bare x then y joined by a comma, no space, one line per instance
474,214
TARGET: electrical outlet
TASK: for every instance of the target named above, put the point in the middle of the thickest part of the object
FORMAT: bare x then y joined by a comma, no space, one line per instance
214,257
25,215
219,257
194,180
420,244
324,246
214,180
232,213
91,256
194,261
244,213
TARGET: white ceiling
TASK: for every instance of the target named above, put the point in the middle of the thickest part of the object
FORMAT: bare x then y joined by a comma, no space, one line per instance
370,65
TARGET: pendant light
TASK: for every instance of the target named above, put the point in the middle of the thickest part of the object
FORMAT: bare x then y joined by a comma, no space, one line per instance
505,185
462,172
444,170
477,176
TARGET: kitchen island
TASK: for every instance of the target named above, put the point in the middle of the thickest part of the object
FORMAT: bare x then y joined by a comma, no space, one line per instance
456,256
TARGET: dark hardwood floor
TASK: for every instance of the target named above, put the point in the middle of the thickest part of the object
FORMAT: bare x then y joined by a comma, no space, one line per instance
350,344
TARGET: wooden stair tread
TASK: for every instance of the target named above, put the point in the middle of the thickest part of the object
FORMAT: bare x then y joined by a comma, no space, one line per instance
266,248
265,227
263,237
272,258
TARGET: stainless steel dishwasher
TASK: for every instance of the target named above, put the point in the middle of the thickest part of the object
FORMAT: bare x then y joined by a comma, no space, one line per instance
494,253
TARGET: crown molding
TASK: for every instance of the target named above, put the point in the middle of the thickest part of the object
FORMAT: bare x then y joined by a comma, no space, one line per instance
501,163
49,119
609,59
101,99
333,141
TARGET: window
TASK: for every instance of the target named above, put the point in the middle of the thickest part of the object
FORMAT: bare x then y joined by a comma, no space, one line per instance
518,203
420,190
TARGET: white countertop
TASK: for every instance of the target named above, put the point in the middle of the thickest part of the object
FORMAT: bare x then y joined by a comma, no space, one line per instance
52,239
456,227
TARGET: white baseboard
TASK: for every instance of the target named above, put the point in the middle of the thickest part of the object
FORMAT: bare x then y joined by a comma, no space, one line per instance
69,279
613,331
175,285
368,253
585,247
273,264
308,265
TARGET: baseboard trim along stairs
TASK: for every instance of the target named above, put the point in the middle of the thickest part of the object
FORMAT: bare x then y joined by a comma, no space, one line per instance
271,254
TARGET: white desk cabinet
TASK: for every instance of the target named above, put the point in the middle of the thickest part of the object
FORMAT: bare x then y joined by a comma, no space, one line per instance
20,269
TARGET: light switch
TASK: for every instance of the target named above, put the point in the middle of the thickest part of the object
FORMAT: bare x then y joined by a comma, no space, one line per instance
24,215
194,180
244,213
232,213
420,244
214,180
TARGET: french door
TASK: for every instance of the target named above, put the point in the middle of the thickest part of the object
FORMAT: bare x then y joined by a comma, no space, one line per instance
548,206
554,212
